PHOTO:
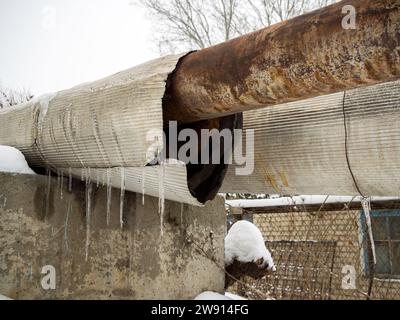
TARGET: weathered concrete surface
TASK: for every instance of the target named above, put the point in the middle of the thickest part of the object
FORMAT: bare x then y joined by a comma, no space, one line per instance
136,263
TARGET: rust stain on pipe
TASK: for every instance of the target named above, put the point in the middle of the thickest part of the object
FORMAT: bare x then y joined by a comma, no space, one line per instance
301,58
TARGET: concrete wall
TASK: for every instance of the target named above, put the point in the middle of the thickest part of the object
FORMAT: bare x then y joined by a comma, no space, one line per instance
39,228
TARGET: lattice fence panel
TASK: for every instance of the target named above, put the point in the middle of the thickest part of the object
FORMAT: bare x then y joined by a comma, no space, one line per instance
326,255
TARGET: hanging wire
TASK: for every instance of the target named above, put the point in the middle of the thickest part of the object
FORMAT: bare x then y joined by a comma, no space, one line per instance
346,146
366,203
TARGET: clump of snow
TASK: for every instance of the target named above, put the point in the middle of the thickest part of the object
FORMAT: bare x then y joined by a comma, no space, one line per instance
234,296
245,243
13,161
44,101
209,295
214,296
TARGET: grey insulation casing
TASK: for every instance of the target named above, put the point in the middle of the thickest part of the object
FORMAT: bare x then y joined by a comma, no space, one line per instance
300,147
101,125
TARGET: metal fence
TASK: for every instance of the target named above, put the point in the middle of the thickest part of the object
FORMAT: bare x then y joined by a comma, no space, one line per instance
325,253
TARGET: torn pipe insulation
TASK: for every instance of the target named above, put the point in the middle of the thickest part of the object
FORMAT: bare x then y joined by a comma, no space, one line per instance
104,129
205,180
341,144
311,55
102,124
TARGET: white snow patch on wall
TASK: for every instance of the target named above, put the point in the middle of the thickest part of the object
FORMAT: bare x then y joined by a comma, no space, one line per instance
13,161
245,243
4,297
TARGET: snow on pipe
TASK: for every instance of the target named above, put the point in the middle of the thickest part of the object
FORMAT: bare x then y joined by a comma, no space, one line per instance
300,147
101,128
300,201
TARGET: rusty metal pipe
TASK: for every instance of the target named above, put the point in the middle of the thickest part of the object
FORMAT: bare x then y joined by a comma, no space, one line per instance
307,56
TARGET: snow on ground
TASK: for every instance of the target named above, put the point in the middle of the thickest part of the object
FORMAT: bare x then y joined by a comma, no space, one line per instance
300,200
208,295
213,296
13,161
234,296
4,297
245,243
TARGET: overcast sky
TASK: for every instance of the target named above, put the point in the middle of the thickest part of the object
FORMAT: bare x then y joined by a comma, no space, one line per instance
50,45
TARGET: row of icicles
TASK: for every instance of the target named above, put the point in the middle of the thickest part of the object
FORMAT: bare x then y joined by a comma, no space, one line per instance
106,181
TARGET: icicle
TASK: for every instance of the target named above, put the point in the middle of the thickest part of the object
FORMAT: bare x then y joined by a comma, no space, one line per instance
58,179
97,178
366,204
130,262
62,185
105,175
182,207
4,204
48,189
89,188
83,174
143,184
70,180
161,196
122,197
109,195
66,225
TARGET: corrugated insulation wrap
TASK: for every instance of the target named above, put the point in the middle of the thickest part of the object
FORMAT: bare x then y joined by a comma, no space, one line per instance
102,128
340,144
345,143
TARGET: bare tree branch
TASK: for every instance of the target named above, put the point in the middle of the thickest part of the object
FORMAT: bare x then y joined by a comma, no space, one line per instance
195,24
9,97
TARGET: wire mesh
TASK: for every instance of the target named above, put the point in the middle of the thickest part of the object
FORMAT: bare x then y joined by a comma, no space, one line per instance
324,253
